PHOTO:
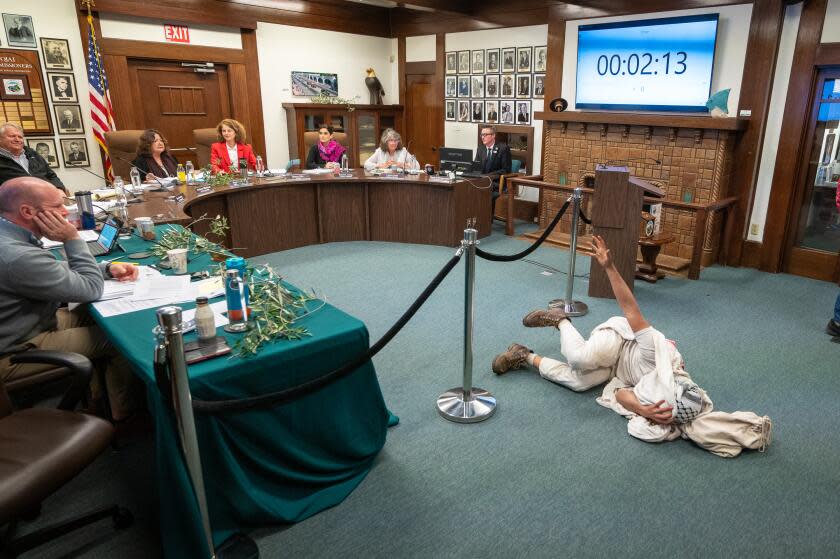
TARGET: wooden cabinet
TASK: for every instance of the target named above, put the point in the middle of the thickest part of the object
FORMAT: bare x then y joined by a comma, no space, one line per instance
358,129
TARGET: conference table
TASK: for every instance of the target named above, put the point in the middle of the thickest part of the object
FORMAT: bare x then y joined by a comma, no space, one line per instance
265,467
290,211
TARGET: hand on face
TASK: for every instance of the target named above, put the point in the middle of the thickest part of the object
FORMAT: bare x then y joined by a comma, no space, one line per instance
124,272
54,227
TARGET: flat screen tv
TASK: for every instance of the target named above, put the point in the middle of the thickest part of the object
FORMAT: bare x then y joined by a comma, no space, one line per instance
647,65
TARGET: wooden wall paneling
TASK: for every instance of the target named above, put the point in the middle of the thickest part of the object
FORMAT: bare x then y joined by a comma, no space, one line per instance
554,56
756,87
394,214
440,87
401,69
239,102
342,212
252,71
122,92
792,137
168,51
187,11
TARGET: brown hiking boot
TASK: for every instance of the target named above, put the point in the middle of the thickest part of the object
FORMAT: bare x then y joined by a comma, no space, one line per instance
543,317
515,357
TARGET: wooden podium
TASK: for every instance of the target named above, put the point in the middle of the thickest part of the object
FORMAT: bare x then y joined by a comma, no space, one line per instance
616,211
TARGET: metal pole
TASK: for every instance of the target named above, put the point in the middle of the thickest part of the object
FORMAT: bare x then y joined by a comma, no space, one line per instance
169,319
568,304
467,404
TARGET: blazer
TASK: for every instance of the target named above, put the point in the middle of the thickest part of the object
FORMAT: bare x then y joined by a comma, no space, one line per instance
9,168
220,160
498,163
147,164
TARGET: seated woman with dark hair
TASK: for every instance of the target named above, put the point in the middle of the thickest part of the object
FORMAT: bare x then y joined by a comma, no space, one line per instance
326,152
226,154
153,157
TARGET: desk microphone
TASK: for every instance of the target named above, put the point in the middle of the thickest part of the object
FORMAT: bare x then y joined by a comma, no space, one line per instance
134,198
142,172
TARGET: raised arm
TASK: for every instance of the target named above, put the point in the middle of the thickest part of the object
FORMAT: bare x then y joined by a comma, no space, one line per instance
622,293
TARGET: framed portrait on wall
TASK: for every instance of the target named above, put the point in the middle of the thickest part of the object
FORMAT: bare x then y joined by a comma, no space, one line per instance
478,111
509,60
507,89
494,63
62,88
477,86
15,88
523,112
463,110
478,62
19,30
463,62
540,54
491,112
523,86
491,85
463,86
539,85
523,60
45,147
506,112
56,54
450,109
451,63
69,119
75,152
451,86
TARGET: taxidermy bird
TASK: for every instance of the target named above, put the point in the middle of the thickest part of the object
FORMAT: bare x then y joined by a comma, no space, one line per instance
718,104
374,87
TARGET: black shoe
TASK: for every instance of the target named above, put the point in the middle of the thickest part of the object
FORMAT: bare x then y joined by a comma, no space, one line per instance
833,328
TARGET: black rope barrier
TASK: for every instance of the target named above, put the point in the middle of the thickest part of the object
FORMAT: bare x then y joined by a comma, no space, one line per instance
585,219
530,249
290,394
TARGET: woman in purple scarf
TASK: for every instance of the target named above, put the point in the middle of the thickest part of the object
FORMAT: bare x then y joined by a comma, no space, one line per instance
326,152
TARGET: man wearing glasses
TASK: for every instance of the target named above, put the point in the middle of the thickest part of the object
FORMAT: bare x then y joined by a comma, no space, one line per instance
492,159
18,160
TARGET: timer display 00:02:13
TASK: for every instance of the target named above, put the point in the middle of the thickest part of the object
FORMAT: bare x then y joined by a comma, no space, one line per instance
639,64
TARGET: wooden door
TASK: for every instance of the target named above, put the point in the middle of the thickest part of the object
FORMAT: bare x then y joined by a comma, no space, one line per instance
423,118
176,100
812,248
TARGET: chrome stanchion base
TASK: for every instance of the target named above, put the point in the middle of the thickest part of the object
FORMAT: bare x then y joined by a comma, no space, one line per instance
571,308
237,327
453,407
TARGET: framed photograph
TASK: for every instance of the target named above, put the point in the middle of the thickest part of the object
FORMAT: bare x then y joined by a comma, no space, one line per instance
45,147
523,59
506,112
450,109
509,60
69,119
523,86
75,152
491,85
56,54
494,63
539,85
451,86
507,91
19,30
451,63
15,88
523,112
477,87
478,111
491,112
463,110
463,62
478,62
463,86
540,54
306,84
62,88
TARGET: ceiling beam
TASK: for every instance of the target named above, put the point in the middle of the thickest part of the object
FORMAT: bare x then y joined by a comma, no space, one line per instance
457,7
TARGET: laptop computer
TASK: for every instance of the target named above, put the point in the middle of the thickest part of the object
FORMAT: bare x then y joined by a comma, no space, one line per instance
104,242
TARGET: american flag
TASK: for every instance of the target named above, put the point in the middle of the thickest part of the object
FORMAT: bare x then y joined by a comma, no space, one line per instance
101,112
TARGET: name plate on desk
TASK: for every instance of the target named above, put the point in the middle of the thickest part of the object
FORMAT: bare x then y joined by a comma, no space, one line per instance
434,178
296,177
203,190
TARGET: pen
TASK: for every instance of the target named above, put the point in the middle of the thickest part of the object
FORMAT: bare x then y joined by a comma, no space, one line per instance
126,263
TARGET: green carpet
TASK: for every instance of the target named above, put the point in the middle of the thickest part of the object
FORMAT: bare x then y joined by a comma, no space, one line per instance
553,474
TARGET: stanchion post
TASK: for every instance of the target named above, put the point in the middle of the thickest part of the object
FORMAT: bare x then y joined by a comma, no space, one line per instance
568,304
467,404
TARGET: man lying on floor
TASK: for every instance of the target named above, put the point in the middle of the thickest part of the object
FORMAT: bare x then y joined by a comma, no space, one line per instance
647,380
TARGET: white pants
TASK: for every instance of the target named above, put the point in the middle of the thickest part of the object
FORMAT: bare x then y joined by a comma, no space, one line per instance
590,362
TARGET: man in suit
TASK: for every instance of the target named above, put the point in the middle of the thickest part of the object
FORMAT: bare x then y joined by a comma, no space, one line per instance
69,120
76,153
492,159
62,89
492,113
19,160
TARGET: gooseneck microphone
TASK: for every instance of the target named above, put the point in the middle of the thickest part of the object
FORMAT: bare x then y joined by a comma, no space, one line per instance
135,199
142,172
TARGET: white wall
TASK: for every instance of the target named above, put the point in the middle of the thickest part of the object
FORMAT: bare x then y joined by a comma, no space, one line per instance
730,51
463,134
145,29
773,129
57,19
282,48
831,25
420,49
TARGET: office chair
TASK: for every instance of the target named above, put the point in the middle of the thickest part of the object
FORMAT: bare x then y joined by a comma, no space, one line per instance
43,449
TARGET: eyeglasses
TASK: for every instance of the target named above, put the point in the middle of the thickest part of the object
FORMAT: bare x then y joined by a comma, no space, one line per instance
487,134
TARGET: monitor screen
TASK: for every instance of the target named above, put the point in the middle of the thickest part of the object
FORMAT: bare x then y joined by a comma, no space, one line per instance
655,64
108,234
455,155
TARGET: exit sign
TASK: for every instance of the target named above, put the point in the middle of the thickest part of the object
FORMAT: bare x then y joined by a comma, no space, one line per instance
176,33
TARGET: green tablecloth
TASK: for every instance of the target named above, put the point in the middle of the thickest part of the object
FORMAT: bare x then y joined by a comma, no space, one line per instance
260,467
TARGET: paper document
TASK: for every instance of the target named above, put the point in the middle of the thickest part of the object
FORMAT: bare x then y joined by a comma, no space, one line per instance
317,171
188,316
210,287
87,235
173,289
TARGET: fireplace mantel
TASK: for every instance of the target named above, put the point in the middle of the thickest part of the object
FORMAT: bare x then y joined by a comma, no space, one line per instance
644,119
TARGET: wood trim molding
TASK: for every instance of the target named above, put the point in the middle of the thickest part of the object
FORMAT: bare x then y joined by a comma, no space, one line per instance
440,85
401,70
756,86
427,67
167,51
828,54
791,138
751,254
645,119
554,57
252,71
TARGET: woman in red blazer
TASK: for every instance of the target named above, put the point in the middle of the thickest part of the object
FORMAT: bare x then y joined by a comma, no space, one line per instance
231,143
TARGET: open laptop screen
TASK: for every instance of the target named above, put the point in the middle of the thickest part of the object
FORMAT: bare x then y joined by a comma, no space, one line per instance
108,235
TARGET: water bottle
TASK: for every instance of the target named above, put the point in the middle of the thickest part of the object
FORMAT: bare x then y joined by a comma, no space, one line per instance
182,174
345,163
232,295
121,204
260,166
85,205
136,180
190,169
